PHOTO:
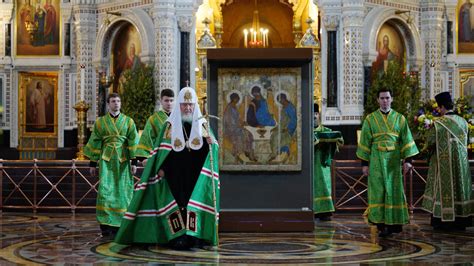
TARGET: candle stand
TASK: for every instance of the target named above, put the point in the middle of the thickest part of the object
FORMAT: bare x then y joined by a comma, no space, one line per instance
81,109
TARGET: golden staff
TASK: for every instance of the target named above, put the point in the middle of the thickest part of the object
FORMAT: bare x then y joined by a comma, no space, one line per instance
211,159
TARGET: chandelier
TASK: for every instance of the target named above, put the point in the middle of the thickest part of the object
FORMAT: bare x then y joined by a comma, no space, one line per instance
256,37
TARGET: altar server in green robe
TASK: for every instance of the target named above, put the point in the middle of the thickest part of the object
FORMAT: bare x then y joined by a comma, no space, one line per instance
448,194
176,201
153,126
326,144
112,146
386,140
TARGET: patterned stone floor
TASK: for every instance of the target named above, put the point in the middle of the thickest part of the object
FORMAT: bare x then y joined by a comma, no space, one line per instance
64,239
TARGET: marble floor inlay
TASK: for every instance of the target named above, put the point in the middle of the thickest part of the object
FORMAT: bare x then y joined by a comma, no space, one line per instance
63,238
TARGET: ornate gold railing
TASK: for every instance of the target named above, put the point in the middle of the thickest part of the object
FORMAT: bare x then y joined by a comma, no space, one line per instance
350,186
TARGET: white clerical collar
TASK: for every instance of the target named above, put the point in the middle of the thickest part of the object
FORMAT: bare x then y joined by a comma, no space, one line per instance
114,114
385,112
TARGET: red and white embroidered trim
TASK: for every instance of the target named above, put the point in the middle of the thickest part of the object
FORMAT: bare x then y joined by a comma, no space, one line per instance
207,172
151,181
150,213
201,206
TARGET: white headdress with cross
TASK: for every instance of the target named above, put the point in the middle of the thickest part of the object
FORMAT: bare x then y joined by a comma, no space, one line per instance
186,95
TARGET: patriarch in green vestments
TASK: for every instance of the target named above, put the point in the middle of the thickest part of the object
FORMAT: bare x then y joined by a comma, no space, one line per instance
153,127
386,140
448,194
326,144
111,146
176,202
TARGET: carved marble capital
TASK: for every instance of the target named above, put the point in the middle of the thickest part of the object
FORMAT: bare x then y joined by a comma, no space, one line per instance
185,23
331,22
165,20
353,20
432,28
6,12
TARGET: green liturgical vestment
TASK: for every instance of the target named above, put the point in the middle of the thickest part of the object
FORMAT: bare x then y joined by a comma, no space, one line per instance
112,144
151,133
154,215
326,143
448,192
385,140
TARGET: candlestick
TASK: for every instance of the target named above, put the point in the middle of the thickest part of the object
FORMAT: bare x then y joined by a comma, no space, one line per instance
83,79
81,111
432,65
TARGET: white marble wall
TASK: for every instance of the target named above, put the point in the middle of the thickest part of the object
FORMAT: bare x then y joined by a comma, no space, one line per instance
157,21
5,65
358,23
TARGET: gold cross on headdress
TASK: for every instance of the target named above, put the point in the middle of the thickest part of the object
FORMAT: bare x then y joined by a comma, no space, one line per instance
188,97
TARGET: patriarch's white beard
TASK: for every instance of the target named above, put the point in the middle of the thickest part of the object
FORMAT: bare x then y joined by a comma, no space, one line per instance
187,118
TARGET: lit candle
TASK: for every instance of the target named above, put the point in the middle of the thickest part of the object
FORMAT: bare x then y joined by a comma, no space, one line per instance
245,37
266,37
255,36
83,80
432,80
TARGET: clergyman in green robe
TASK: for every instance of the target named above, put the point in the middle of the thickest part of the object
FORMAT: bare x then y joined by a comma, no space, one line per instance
385,140
153,127
176,201
111,146
326,144
448,194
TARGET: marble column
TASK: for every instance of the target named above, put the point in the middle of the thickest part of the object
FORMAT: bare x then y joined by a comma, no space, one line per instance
432,29
331,68
330,16
9,116
85,25
165,46
353,12
185,25
6,30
